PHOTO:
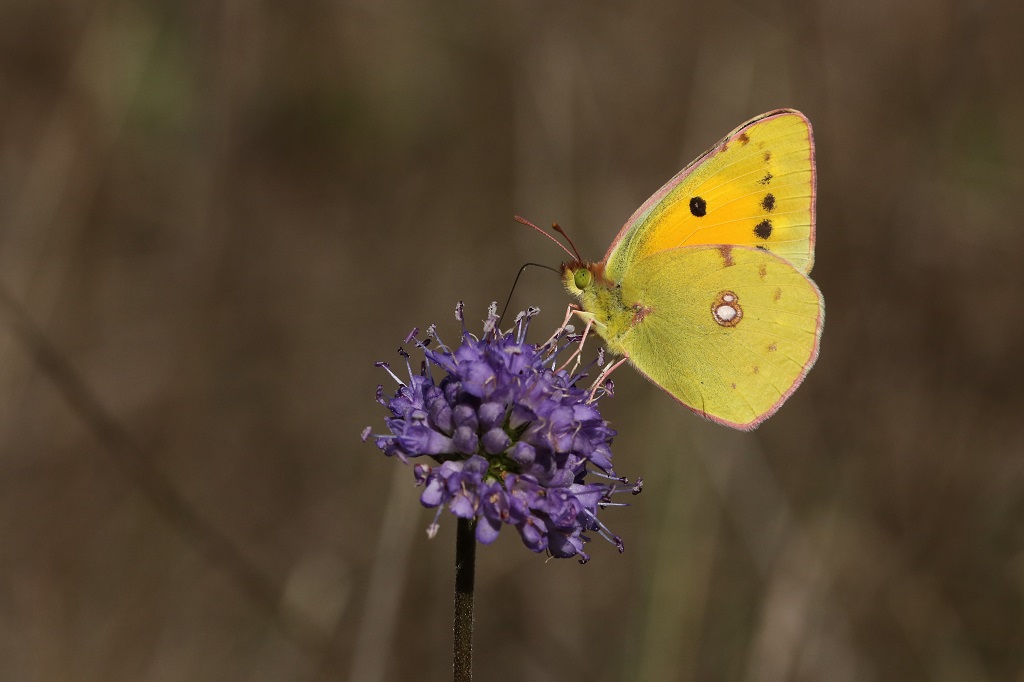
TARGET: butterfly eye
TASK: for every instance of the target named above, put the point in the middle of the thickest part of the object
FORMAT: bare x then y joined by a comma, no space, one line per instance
582,278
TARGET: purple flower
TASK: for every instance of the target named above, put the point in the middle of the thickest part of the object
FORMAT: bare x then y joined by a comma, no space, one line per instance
507,438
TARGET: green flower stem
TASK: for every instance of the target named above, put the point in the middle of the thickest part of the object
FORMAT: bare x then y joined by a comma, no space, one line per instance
465,566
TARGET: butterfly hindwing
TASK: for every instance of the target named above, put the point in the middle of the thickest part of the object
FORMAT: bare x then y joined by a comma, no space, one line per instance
754,188
730,332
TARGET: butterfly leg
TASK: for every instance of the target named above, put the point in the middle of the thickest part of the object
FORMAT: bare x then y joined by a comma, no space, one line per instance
603,376
583,340
569,312
591,322
568,315
578,353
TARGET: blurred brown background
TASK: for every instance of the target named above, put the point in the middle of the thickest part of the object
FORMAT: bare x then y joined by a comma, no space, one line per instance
215,216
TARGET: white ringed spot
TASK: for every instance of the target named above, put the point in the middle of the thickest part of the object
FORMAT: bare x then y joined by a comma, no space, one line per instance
726,309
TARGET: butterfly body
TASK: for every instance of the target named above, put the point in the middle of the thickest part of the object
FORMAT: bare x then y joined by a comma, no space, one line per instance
705,289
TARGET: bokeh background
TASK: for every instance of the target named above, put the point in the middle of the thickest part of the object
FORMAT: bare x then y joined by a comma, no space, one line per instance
216,215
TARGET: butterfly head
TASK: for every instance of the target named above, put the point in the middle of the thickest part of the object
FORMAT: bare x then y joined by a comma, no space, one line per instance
582,279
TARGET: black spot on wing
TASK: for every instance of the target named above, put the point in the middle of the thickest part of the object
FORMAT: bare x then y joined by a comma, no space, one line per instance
766,179
763,230
768,203
698,207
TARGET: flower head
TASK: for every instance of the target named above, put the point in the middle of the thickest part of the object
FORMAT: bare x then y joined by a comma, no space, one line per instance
509,438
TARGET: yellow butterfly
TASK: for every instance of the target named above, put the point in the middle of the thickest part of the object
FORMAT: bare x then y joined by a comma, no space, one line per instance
705,289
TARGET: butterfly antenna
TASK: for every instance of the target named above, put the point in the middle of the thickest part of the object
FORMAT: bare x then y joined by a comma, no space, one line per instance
512,290
524,221
558,228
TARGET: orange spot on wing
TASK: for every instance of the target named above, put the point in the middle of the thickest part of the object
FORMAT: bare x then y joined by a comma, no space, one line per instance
726,251
743,138
763,271
778,293
772,347
639,313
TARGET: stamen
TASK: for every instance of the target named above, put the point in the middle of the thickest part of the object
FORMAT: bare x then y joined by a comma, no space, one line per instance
605,532
604,375
523,323
491,323
517,326
606,389
432,334
434,525
408,365
387,369
607,477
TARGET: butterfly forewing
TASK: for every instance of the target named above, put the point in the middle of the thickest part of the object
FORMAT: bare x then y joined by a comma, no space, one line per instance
754,188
